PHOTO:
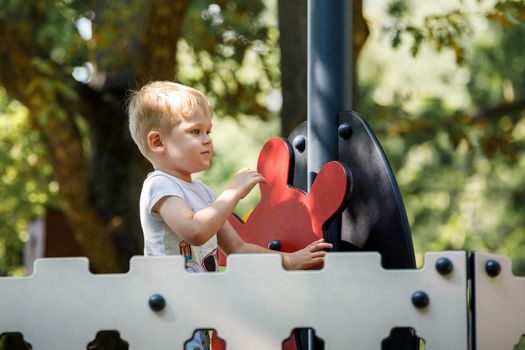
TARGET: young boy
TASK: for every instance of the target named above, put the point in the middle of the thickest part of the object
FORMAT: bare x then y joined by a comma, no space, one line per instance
171,125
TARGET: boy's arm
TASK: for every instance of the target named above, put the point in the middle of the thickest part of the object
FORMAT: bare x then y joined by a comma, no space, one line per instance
313,255
197,228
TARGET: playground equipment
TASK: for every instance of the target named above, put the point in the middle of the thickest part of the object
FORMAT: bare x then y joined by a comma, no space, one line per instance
456,301
367,296
352,303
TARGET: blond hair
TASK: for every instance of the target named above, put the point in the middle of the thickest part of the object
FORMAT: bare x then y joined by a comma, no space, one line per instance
159,106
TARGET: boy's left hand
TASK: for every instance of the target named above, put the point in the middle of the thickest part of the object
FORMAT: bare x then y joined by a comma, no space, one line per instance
310,256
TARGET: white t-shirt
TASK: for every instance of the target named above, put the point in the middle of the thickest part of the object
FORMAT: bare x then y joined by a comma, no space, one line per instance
159,239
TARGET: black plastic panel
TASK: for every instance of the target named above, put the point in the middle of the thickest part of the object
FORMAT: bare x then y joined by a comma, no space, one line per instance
375,219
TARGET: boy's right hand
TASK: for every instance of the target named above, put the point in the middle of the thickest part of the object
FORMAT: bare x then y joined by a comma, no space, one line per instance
308,257
244,181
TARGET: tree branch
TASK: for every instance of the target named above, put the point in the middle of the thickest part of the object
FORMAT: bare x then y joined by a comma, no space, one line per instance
480,118
496,112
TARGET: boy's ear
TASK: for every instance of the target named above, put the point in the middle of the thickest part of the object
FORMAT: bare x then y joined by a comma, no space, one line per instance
155,143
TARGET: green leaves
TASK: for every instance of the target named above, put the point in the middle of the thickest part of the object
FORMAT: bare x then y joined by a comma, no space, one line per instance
26,184
229,50
452,122
508,13
449,30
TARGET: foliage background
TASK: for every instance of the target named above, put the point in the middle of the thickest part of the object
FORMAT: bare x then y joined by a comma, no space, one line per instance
441,83
448,109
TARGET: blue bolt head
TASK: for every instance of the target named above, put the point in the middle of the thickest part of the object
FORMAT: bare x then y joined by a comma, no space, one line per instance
444,266
156,302
493,268
275,245
299,142
345,130
420,299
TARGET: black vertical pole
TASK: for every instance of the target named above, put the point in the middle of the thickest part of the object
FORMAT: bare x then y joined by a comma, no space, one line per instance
329,75
329,92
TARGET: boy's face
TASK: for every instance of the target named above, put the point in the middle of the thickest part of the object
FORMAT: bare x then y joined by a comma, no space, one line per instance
188,146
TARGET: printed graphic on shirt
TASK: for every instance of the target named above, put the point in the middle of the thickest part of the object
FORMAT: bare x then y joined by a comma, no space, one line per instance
192,266
185,250
209,262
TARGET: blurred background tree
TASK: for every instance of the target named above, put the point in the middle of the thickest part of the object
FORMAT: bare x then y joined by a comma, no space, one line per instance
448,102
71,65
441,83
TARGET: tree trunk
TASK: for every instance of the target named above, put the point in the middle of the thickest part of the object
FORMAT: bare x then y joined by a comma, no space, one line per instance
99,186
292,16
64,144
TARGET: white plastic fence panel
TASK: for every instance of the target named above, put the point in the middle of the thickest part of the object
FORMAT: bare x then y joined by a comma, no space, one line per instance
352,303
500,304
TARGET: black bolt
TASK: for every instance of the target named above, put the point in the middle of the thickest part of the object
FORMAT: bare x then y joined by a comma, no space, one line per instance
157,302
493,268
299,142
345,130
420,299
274,245
444,266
